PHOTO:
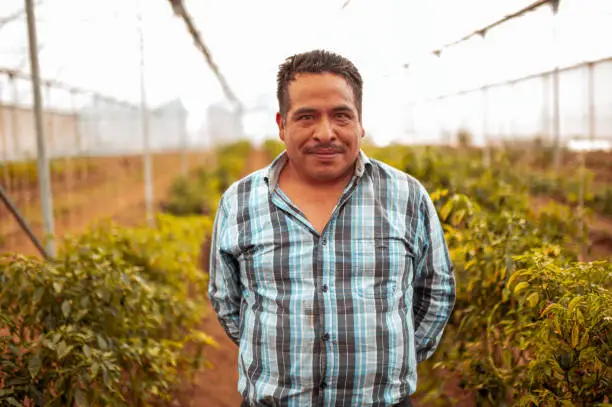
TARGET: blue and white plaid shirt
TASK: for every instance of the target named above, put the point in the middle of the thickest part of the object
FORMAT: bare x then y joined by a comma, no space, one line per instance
334,319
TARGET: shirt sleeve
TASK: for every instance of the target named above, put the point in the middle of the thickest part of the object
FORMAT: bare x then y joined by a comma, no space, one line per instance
224,284
434,282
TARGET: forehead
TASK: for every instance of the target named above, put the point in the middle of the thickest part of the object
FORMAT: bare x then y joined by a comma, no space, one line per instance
319,90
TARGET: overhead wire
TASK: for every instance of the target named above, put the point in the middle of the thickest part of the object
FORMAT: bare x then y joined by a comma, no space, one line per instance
481,32
16,15
180,11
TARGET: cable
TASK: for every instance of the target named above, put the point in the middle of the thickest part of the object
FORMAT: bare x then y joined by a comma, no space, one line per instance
22,222
179,10
16,15
483,31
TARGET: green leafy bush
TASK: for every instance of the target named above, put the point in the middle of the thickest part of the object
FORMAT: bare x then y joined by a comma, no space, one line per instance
201,191
273,148
531,326
112,321
25,173
197,195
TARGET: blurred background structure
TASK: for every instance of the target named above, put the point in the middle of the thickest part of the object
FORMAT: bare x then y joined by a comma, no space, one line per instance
135,93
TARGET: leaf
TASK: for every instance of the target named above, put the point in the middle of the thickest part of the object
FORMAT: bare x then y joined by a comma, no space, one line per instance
102,343
575,336
533,299
38,294
58,287
502,273
446,209
520,286
551,307
14,402
508,359
85,302
63,349
66,307
573,303
458,216
584,341
94,370
34,364
513,277
80,314
80,398
87,351
4,393
579,317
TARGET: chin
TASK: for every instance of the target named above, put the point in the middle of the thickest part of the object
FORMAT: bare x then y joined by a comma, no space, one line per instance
327,175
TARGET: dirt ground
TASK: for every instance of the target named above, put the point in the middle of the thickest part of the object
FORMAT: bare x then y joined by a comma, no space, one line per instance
115,190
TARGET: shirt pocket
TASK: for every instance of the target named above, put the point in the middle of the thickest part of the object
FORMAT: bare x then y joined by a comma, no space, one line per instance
380,267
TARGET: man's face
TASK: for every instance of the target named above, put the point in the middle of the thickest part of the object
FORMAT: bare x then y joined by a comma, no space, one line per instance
323,130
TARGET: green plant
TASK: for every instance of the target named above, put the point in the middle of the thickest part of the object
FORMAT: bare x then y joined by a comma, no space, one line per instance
112,321
512,261
201,191
273,148
571,338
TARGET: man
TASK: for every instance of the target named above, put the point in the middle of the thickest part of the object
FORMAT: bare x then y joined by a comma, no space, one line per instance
328,269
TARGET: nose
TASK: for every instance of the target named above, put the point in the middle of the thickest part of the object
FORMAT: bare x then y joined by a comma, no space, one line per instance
324,131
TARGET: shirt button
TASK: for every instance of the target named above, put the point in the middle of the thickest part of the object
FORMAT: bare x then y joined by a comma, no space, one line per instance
326,337
325,288
323,385
324,242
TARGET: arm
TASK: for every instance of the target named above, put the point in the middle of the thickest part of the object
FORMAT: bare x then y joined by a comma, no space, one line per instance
224,284
434,282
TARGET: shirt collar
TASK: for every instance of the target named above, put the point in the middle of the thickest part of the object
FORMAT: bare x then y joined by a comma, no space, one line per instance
274,169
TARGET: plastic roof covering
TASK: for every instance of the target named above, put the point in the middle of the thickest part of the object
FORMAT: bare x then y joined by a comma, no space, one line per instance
95,45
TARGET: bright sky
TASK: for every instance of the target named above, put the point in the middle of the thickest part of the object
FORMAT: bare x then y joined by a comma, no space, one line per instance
94,44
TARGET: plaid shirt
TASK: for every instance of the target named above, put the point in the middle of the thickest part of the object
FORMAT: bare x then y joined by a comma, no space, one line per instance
339,318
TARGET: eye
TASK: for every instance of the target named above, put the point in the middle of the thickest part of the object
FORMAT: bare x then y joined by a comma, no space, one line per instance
343,115
306,117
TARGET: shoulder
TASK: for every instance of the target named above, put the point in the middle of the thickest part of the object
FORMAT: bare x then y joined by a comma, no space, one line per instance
396,181
238,195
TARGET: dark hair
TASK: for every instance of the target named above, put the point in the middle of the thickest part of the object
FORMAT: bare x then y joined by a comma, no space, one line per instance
316,61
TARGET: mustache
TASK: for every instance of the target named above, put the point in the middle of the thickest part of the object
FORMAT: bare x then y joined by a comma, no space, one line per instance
325,148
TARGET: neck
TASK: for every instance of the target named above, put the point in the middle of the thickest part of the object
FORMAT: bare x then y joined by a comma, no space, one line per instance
295,176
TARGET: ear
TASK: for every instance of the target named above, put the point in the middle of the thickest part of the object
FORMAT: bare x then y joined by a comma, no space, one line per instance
281,126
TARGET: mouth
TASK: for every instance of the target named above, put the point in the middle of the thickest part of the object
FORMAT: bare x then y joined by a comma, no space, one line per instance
326,152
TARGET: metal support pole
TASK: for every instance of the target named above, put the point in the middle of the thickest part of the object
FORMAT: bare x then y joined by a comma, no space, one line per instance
545,108
78,137
43,162
512,125
556,125
485,124
5,153
22,222
14,115
144,114
185,146
591,84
